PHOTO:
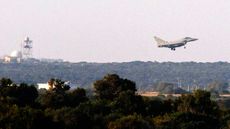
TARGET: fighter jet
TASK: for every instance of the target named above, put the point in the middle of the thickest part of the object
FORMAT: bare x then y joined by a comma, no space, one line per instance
173,44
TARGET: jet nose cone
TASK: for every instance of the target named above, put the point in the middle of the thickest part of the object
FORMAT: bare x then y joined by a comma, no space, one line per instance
194,39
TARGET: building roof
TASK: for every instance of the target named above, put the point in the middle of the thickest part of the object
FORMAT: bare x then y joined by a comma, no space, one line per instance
16,54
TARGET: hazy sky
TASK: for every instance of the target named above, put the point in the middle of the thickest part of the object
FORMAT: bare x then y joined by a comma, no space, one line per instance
117,30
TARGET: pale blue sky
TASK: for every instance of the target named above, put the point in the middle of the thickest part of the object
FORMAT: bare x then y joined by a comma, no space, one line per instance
117,30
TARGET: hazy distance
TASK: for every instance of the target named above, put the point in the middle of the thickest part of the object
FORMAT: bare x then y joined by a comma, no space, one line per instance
117,30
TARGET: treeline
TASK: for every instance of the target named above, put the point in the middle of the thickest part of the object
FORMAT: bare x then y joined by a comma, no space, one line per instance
146,74
114,104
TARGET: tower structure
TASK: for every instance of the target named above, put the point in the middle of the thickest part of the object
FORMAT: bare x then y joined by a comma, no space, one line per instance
27,47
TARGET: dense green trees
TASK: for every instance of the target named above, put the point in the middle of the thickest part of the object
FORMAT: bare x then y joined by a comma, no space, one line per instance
186,120
76,96
15,117
112,85
199,103
21,95
53,99
147,75
5,82
130,122
115,105
58,86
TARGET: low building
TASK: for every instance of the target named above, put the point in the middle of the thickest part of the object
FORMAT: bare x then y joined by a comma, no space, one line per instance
46,86
14,57
51,84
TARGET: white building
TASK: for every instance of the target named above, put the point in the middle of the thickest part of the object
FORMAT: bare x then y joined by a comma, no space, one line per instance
43,86
14,57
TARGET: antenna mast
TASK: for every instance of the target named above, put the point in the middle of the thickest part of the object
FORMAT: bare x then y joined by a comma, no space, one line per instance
27,47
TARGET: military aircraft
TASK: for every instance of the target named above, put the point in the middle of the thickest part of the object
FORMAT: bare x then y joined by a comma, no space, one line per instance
173,44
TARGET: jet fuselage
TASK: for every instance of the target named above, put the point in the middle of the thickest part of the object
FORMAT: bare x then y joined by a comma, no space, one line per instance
173,44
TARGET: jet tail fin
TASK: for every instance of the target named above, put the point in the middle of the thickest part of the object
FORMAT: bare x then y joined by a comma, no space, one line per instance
160,41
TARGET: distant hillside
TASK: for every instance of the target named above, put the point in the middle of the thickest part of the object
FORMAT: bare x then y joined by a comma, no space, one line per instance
145,74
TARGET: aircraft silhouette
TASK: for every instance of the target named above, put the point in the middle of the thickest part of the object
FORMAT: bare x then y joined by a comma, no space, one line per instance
173,44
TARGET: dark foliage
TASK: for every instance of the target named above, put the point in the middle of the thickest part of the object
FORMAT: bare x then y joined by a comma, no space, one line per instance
145,74
114,106
112,85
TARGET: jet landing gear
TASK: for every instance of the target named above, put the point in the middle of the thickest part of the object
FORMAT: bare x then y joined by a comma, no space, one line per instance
173,49
184,47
